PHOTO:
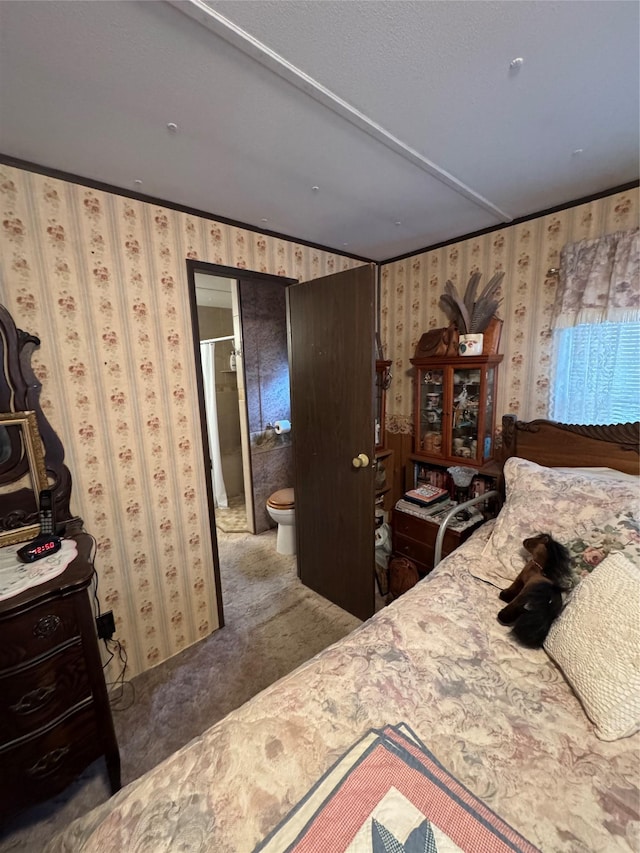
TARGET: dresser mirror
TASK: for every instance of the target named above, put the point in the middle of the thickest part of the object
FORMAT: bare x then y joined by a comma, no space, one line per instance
31,454
22,476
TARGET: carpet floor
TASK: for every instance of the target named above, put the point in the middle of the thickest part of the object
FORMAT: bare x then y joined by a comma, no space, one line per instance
272,624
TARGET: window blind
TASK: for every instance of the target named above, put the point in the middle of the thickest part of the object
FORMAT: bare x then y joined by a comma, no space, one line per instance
597,374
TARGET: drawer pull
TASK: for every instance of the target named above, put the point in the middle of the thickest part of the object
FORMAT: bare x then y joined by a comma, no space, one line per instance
33,700
47,626
49,763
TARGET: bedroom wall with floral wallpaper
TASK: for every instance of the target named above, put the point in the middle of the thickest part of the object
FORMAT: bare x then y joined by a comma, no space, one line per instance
101,279
411,290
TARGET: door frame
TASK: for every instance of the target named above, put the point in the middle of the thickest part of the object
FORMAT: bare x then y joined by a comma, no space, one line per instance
194,266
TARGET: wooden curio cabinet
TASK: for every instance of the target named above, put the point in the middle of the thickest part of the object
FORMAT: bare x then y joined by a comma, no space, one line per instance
454,409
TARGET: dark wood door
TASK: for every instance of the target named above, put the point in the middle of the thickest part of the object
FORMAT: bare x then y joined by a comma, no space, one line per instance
332,372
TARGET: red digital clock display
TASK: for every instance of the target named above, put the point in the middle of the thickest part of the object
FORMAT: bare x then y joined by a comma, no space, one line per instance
39,547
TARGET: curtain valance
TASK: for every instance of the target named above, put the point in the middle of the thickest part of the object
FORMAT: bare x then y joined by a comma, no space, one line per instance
599,280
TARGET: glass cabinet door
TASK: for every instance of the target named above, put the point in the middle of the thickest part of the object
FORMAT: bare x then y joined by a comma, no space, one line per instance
454,409
383,379
430,411
489,395
467,389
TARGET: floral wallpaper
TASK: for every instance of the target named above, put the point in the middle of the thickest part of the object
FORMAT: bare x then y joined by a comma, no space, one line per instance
101,279
411,290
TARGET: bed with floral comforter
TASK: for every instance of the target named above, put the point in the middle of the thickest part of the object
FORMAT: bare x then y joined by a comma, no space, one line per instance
502,719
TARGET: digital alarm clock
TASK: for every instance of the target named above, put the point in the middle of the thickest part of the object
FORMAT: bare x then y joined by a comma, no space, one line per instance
41,546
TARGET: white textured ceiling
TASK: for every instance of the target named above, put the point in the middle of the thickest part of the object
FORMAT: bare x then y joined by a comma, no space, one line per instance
406,115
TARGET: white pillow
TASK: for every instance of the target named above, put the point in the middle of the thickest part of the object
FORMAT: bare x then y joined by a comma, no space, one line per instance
549,500
596,643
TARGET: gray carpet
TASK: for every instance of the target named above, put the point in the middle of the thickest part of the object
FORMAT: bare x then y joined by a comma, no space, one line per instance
273,624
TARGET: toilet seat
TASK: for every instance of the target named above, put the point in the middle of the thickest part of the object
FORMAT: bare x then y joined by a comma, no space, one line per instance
282,499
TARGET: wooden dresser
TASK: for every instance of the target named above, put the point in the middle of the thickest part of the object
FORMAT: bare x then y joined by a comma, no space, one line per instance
55,717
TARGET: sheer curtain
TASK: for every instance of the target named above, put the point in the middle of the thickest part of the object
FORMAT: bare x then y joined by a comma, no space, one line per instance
596,331
207,357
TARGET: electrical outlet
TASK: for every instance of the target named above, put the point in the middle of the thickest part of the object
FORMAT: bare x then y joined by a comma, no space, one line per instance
106,625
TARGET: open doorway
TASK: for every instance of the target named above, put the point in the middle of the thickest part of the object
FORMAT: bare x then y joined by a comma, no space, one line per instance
243,315
220,335
266,325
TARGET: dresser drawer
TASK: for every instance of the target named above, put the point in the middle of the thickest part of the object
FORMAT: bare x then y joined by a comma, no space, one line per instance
37,694
36,631
415,528
420,551
426,532
38,768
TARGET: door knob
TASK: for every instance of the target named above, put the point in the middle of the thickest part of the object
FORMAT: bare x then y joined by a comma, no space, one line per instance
360,461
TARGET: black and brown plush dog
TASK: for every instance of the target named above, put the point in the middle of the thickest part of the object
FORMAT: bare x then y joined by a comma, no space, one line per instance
535,596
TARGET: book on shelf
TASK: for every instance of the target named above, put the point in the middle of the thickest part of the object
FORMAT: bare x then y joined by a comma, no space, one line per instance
426,495
426,475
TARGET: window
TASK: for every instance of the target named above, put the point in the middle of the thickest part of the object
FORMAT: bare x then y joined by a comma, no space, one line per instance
597,375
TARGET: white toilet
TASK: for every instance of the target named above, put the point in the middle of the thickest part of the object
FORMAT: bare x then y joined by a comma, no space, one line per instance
281,508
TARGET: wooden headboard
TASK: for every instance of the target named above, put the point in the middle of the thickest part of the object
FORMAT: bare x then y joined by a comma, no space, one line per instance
571,445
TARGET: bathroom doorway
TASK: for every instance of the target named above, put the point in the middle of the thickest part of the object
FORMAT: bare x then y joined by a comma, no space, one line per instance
220,336
244,315
265,322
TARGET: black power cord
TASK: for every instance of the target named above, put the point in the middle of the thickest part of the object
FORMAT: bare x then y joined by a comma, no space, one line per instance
113,647
117,698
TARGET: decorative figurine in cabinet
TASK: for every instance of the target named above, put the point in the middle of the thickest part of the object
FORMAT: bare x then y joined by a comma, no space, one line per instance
454,411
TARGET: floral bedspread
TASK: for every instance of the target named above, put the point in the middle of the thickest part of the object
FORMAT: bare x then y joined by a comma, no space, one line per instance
500,718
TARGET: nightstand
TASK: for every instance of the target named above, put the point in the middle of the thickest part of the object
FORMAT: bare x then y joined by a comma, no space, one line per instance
415,538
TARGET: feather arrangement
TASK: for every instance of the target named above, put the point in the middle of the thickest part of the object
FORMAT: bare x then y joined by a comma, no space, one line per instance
472,314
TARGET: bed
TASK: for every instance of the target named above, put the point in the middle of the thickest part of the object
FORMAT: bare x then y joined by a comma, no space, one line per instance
429,723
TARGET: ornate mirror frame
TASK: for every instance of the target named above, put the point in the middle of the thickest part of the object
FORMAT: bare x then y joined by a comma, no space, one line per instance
20,398
22,466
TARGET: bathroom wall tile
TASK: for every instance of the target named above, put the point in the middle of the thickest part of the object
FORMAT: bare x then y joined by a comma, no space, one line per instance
251,354
276,400
253,406
263,307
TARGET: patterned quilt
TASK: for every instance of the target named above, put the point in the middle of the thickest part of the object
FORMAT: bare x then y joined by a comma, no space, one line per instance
388,794
499,718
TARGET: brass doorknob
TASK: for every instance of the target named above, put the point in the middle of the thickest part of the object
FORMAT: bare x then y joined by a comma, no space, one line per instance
360,461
